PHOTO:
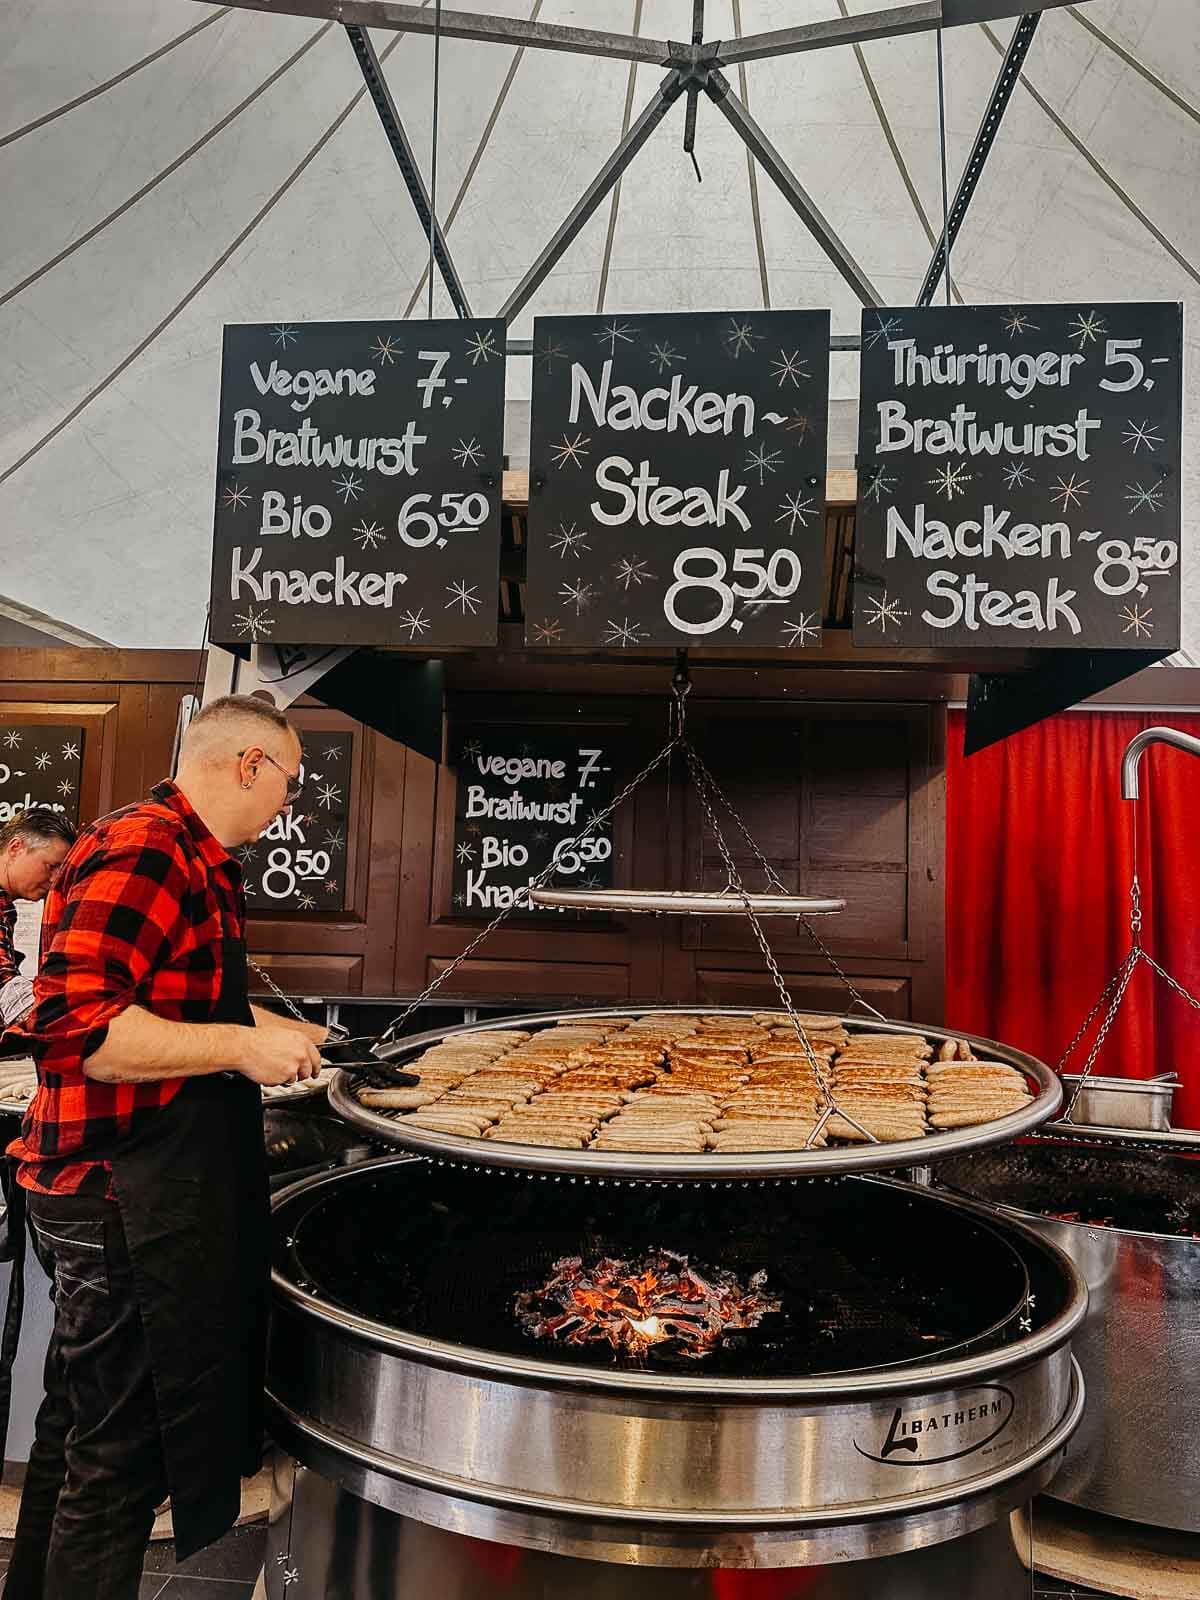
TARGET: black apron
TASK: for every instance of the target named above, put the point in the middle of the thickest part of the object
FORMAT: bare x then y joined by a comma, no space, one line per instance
191,1185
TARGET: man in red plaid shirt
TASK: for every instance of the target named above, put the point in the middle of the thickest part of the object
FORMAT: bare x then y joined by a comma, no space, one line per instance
141,1160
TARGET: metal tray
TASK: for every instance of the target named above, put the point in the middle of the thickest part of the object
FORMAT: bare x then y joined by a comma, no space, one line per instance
1139,1103
713,1166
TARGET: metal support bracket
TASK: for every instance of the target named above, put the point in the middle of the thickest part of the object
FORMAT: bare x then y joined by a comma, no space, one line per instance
989,127
572,225
773,164
377,87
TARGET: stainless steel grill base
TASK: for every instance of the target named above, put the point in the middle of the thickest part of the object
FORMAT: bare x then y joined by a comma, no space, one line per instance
327,1543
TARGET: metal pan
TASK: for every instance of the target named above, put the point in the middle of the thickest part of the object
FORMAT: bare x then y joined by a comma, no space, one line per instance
713,1166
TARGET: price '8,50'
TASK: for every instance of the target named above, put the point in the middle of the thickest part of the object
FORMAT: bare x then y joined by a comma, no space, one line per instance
284,871
702,567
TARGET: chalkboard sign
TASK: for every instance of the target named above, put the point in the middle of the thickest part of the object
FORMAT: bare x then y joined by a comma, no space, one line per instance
40,765
522,797
299,863
1019,477
677,480
358,484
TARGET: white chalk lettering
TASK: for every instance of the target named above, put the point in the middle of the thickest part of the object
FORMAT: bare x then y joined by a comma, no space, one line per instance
643,500
660,410
973,603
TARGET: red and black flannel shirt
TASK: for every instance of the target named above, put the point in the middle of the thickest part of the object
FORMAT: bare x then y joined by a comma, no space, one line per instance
136,917
10,956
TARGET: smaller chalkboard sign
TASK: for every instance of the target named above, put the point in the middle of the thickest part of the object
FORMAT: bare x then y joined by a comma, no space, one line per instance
40,765
358,484
299,863
523,798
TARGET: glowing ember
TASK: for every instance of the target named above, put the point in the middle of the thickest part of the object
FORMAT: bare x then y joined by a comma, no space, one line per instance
632,1306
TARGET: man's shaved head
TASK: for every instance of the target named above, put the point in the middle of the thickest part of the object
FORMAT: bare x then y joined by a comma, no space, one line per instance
232,723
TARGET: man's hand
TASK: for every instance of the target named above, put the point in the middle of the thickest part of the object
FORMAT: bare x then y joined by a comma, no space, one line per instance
273,1056
316,1031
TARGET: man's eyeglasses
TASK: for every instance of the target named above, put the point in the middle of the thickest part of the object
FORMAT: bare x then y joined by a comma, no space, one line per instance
294,781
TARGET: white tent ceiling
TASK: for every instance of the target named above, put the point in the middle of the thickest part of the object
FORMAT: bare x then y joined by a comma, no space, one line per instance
242,175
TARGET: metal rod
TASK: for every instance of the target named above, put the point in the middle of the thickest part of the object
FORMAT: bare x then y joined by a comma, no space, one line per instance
773,164
839,30
524,347
1131,760
665,96
377,86
433,144
484,28
941,82
1006,81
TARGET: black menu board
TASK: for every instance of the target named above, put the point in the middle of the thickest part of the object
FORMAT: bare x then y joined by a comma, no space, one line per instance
677,479
40,765
523,796
1019,476
358,483
299,863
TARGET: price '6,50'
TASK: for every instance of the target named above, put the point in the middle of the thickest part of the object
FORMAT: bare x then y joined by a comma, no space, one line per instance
418,527
571,855
704,568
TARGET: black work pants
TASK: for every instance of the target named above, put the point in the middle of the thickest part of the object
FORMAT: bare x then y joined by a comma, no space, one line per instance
96,1470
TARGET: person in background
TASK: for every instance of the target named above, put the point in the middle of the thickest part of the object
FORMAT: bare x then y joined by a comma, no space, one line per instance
33,845
141,1159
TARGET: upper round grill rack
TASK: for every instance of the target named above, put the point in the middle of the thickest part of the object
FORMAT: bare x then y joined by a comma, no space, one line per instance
613,1165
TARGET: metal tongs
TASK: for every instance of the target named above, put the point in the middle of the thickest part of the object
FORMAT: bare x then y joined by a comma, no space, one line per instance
358,1058
1114,991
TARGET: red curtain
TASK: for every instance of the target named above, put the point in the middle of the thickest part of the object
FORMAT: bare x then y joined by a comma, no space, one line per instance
1039,858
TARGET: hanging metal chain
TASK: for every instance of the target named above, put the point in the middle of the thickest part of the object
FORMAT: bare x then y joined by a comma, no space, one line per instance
775,882
276,990
1127,970
829,1103
543,877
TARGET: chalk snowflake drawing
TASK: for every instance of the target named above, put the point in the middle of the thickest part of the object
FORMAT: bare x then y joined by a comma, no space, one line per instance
1142,433
460,899
1017,475
284,334
348,486
548,632
65,788
1069,491
663,355
886,328
798,423
1017,322
569,541
763,461
234,497
1145,497
472,750
789,368
617,332
334,839
1137,621
795,509
879,484
331,886
253,624
549,353
12,739
368,535
624,633
332,753
463,595
246,855
465,852
468,452
482,347
306,902
740,336
70,752
1087,329
578,595
631,570
385,350
951,479
798,633
42,760
328,796
415,623
572,450
883,613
